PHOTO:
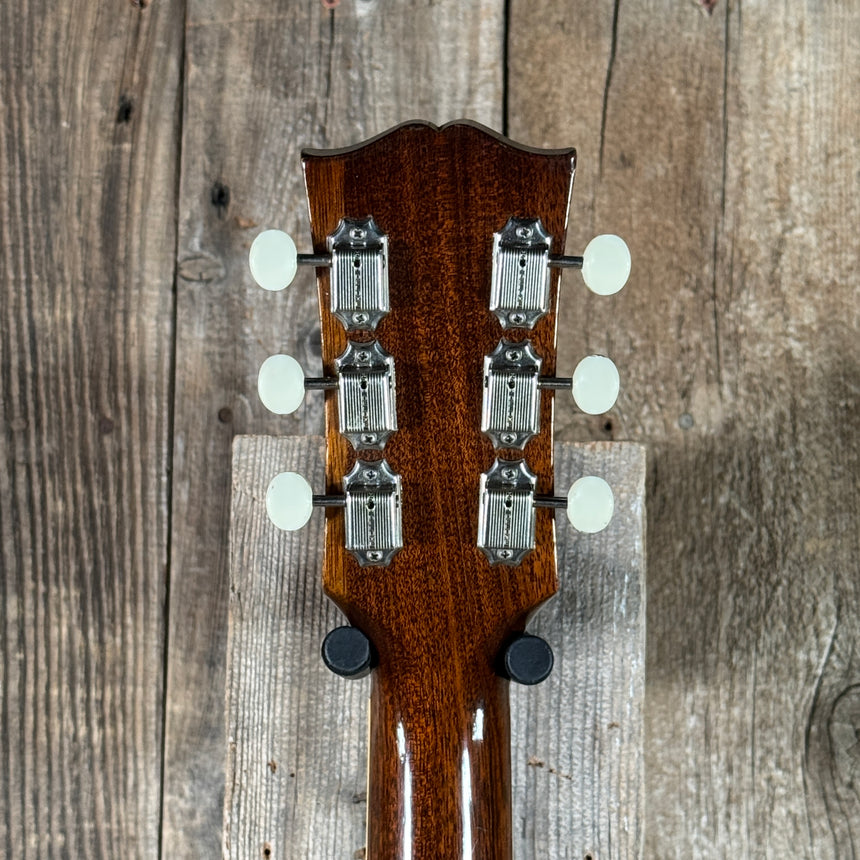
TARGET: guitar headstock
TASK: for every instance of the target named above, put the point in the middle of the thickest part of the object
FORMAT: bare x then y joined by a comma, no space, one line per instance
440,196
438,254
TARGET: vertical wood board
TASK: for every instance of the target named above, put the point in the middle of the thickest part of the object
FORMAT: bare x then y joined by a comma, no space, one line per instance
724,147
89,137
261,83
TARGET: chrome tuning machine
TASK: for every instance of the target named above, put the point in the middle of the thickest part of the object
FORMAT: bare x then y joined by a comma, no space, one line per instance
508,499
365,385
512,385
519,292
358,259
371,503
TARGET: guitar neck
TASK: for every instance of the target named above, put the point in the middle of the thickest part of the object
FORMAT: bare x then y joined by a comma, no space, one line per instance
439,766
438,253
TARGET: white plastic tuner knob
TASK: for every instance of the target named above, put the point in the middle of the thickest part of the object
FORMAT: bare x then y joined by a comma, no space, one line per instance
289,501
281,384
273,260
595,384
606,264
590,504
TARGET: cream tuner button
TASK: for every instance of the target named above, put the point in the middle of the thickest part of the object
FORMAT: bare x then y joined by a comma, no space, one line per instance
273,260
281,384
606,264
595,384
590,504
289,501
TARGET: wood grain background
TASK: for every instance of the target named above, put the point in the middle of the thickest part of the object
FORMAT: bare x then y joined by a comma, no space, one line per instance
142,144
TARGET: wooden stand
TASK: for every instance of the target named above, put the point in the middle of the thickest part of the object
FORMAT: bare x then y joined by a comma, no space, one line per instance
296,734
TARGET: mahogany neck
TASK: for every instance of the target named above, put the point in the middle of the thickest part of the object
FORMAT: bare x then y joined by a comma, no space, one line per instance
439,773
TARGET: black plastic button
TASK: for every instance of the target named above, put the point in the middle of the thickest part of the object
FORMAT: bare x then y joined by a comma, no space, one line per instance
347,652
527,659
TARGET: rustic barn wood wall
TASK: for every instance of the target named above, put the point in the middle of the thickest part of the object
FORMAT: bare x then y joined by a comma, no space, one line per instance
142,143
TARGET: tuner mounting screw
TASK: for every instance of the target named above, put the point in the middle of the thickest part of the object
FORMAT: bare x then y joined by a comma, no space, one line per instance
346,651
526,659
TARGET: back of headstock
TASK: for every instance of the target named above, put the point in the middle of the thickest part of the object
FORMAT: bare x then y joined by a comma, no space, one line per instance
439,196
442,551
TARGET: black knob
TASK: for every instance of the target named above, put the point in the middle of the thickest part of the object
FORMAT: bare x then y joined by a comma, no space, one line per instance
527,659
347,652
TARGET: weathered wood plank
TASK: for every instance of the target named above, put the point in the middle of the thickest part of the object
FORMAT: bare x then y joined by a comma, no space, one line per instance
725,148
578,738
89,141
261,84
297,734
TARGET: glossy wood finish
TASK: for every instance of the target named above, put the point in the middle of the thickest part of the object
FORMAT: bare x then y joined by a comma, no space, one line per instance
438,615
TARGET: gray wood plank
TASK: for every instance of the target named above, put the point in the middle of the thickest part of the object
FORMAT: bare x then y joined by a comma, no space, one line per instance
89,141
262,82
297,734
578,738
724,147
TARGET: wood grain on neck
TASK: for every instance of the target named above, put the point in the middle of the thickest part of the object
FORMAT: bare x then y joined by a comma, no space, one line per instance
439,781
